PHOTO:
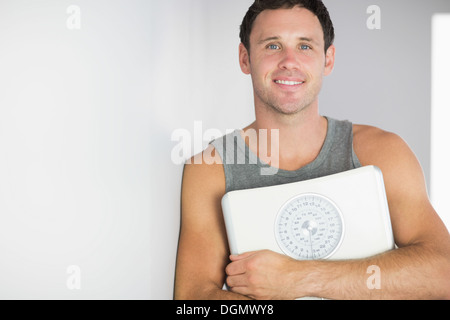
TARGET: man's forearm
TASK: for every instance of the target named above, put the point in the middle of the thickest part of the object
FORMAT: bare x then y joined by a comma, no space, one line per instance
412,272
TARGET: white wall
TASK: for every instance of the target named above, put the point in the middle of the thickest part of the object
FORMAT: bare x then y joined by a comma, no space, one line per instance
440,113
87,116
196,78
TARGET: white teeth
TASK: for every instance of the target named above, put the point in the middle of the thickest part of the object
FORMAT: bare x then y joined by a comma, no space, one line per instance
289,83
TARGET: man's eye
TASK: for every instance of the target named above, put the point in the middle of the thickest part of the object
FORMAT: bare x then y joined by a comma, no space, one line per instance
273,47
305,47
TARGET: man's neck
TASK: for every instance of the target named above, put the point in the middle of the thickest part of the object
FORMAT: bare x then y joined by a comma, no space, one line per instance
300,137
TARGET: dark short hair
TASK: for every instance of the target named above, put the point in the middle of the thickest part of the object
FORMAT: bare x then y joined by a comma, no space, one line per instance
315,6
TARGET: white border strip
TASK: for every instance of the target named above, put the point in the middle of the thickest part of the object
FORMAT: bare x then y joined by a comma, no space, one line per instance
440,117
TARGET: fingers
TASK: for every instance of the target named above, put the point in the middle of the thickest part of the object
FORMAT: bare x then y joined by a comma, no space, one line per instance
244,273
238,264
239,284
237,257
237,281
235,268
245,291
236,272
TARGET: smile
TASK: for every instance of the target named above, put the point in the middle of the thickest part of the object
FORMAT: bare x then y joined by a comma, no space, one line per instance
289,83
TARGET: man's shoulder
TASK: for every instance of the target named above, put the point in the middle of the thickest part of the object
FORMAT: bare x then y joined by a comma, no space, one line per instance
365,134
398,163
370,132
373,145
205,171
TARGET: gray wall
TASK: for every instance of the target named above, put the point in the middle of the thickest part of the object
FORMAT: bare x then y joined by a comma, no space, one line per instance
383,77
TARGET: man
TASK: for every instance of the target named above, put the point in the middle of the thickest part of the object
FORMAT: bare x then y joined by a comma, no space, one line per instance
287,48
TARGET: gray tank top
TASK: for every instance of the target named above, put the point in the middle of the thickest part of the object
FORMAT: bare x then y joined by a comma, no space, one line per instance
243,169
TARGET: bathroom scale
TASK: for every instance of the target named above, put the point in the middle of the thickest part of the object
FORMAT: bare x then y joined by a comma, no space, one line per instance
336,217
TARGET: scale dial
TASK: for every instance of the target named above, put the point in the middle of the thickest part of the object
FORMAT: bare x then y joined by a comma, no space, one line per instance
309,227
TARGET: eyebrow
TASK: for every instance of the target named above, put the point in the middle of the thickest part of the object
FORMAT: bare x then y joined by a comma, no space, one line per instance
278,38
268,39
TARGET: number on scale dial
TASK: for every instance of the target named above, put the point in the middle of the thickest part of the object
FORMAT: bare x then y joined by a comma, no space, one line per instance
309,227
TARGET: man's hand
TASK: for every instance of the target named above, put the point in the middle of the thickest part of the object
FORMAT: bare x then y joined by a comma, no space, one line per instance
263,275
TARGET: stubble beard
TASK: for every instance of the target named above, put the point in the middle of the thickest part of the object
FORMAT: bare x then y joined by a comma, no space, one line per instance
287,108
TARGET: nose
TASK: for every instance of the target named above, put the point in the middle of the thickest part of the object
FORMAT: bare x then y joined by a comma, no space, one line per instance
289,60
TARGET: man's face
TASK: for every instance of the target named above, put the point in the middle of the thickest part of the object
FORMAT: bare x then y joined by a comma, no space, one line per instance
287,59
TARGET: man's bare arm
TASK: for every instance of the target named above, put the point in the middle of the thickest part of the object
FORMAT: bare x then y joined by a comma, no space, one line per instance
203,249
420,267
